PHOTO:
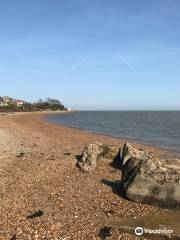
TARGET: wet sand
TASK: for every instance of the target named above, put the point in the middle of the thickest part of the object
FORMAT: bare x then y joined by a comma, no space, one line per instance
43,195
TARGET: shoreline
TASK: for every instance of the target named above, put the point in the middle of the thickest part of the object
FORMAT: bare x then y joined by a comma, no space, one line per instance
39,175
125,139
36,112
44,115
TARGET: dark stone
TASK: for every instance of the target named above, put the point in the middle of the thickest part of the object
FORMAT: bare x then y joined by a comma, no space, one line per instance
13,237
105,233
36,214
20,155
149,179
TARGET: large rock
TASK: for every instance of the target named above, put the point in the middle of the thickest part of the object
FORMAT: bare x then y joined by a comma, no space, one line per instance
131,158
95,152
149,179
129,151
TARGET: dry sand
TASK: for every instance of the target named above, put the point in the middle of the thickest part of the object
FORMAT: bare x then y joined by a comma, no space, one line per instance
43,195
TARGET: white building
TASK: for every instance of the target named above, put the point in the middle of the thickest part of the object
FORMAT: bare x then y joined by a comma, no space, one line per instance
4,104
19,103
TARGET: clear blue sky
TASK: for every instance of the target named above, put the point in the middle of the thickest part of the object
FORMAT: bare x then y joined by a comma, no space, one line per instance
92,54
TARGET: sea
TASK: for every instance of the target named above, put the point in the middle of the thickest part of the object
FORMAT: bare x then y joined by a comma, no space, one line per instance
154,128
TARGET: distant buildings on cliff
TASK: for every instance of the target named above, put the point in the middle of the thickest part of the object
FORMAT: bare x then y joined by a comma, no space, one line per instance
7,101
8,104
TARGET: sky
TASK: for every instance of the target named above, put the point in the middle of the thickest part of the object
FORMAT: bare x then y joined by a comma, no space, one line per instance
97,54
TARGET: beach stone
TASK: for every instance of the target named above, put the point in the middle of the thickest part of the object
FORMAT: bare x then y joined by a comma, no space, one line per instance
129,151
148,179
131,158
95,152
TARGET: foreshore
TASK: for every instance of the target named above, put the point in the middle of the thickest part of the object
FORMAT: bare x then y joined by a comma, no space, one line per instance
45,196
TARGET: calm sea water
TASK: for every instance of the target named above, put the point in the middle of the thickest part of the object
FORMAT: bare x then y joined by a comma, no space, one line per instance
160,129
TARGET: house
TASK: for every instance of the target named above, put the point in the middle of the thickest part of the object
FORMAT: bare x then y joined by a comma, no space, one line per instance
3,104
7,99
19,103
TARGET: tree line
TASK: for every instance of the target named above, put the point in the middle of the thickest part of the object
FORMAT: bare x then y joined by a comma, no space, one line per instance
40,105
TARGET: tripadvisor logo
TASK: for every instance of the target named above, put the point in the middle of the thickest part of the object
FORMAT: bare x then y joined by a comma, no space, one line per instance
139,231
